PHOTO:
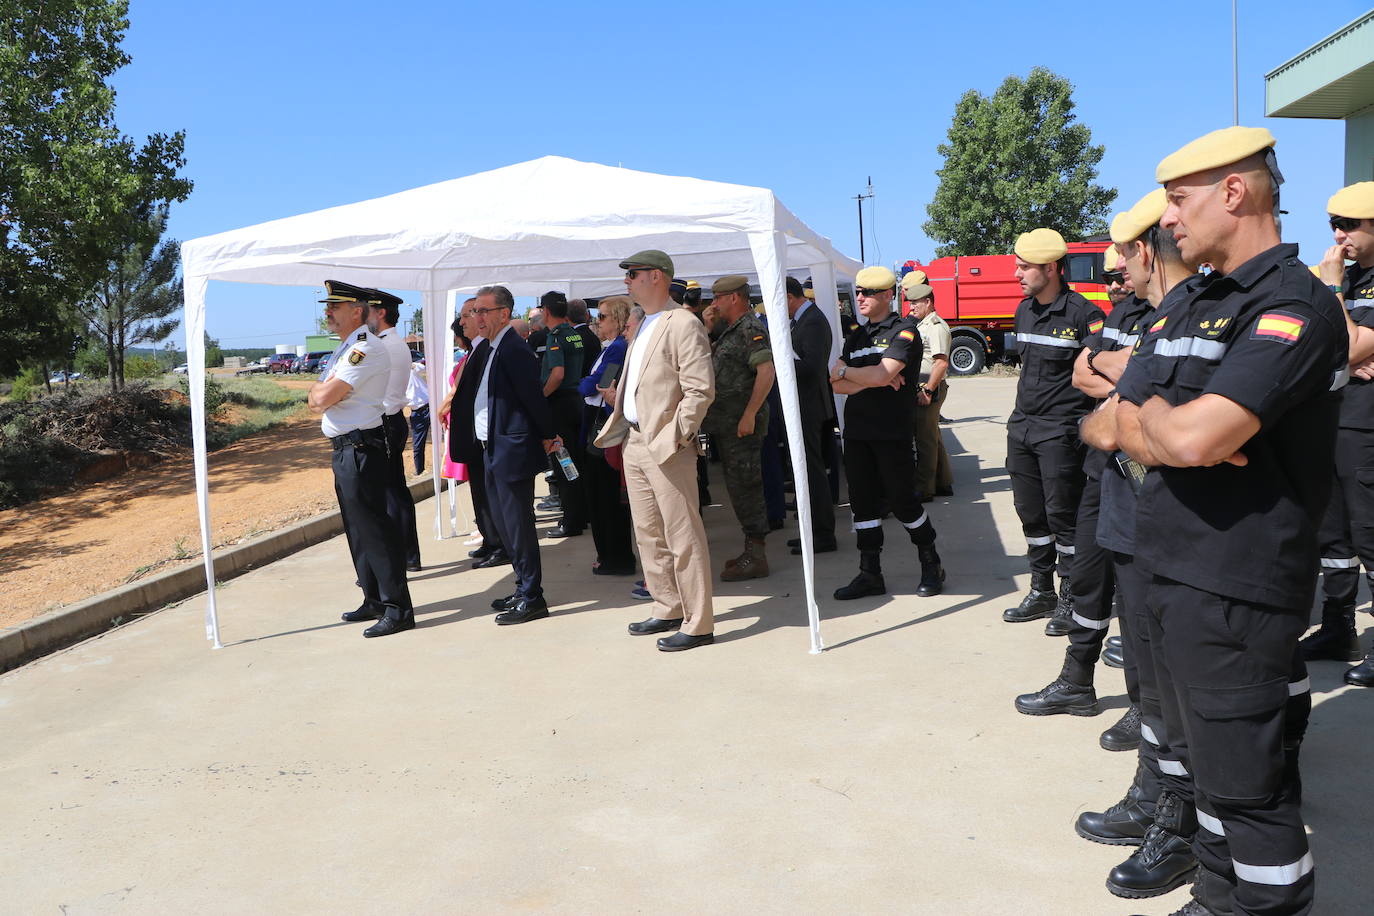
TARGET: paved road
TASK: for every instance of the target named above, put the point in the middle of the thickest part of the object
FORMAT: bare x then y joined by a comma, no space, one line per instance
565,766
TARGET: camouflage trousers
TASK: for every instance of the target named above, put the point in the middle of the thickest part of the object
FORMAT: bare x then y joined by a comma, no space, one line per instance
741,461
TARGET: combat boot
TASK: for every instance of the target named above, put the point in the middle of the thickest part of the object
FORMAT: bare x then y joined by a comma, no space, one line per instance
1062,621
1165,858
752,564
1125,734
1124,823
869,581
1039,602
1072,692
1336,640
932,573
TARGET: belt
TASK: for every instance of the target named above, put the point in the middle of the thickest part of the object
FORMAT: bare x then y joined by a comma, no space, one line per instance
634,426
359,437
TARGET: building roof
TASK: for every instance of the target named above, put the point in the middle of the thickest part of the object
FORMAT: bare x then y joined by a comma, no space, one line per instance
1332,79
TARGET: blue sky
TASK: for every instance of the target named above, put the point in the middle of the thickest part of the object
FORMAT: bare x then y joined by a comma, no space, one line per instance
295,106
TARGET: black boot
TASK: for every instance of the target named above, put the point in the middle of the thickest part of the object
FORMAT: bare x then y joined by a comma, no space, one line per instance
1072,693
1114,656
1165,858
1039,602
1062,621
1362,675
1125,734
869,581
1336,640
1124,823
932,573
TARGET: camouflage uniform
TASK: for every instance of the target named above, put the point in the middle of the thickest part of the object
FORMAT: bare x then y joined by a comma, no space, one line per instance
736,355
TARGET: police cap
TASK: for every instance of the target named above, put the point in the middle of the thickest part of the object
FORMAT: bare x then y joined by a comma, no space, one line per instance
649,258
1040,246
876,278
1211,151
1353,202
339,291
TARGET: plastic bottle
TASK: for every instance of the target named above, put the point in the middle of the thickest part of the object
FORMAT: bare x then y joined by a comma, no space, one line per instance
566,463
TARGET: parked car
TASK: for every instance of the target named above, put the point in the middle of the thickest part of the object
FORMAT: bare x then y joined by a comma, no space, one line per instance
314,362
182,369
62,375
280,362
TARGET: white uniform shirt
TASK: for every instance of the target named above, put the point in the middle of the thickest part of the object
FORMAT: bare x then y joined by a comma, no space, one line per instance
417,392
635,367
398,352
362,363
481,407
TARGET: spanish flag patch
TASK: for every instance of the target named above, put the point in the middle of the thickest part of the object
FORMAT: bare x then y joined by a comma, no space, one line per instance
1094,326
907,335
1159,325
1285,327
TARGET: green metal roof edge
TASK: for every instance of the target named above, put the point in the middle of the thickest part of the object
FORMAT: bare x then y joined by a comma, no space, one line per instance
1318,46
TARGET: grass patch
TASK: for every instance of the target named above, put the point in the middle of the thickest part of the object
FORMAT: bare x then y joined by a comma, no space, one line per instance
257,404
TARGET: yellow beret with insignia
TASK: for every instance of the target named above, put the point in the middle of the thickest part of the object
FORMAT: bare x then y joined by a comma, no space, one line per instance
879,278
1135,222
1353,202
730,284
1040,246
1210,151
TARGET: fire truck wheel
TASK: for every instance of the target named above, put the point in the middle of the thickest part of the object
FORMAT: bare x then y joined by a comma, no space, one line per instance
966,356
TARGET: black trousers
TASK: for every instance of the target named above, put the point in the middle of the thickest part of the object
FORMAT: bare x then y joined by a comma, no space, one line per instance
361,474
512,512
884,472
1347,529
481,505
566,405
1143,686
1093,584
813,435
771,469
607,512
1228,669
419,435
1046,485
400,504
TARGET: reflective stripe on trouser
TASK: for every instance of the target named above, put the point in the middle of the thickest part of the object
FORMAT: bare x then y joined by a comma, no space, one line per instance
1346,535
1091,584
1161,720
1046,485
1232,663
883,472
1130,582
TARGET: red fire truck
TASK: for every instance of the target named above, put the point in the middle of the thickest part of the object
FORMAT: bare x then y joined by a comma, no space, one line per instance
977,296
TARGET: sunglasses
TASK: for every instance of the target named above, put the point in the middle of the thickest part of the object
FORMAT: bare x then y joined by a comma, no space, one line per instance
1345,223
636,271
869,292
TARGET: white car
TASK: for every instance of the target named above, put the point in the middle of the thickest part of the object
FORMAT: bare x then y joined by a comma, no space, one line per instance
182,369
63,376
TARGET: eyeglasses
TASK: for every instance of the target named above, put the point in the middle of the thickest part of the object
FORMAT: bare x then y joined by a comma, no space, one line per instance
869,292
636,271
499,308
1345,223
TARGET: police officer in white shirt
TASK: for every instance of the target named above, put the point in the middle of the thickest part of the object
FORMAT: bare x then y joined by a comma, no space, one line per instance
350,399
400,504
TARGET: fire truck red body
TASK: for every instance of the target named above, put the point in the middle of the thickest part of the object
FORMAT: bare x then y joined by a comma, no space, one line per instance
977,295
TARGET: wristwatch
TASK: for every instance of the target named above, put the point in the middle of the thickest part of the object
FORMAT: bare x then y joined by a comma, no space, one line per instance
843,369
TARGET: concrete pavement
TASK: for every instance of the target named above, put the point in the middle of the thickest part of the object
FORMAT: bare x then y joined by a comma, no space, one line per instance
565,766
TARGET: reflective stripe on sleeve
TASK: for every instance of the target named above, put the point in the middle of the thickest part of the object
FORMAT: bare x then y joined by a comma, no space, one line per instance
1046,340
1090,624
1278,875
1340,378
1040,542
1119,336
1299,687
1340,562
1191,346
868,351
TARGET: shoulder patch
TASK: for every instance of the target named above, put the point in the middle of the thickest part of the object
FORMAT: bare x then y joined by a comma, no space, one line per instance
356,356
1159,325
1094,326
906,335
1285,327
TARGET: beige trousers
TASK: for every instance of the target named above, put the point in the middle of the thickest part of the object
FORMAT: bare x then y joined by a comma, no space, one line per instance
670,534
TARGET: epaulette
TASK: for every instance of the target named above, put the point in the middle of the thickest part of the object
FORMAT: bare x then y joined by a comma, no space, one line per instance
362,335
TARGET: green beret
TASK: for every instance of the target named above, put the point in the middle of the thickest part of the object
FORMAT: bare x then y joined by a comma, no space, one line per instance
650,258
732,283
915,292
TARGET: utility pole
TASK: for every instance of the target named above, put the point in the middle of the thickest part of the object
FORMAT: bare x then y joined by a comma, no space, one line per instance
860,198
1235,67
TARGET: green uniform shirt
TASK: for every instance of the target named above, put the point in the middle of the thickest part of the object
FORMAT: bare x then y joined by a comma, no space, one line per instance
564,347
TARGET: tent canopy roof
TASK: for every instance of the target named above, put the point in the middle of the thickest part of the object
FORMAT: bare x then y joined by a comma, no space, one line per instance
547,223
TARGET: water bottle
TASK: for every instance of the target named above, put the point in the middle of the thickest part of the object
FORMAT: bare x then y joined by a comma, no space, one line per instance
566,463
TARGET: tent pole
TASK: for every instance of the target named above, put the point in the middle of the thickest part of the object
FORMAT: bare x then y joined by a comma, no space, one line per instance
194,319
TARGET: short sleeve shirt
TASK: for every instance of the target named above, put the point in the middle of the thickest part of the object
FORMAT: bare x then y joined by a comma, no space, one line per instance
1357,405
1048,338
1271,338
879,414
935,341
362,362
563,347
398,357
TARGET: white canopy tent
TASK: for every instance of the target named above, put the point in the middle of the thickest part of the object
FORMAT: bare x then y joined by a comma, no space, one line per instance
551,223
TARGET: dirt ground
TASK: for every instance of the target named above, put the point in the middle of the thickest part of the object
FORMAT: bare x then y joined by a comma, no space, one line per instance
69,547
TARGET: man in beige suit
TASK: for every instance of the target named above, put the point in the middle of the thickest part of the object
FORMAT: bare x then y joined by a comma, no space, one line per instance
667,385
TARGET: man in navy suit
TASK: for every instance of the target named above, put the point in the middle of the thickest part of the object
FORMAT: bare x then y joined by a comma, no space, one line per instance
500,416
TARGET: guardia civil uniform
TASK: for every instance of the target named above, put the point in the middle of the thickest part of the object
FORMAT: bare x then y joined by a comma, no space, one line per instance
1232,550
361,472
565,347
1044,454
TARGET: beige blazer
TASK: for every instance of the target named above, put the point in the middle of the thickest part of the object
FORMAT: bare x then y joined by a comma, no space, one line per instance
675,389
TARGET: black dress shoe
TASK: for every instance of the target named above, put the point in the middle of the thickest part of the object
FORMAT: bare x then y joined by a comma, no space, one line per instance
413,567
558,531
775,524
481,553
680,642
388,625
523,611
361,614
504,604
1125,734
1113,657
654,625
816,547
495,558
1059,696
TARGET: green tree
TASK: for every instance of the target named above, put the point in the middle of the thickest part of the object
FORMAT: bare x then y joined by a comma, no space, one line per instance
135,300
73,190
1015,161
214,356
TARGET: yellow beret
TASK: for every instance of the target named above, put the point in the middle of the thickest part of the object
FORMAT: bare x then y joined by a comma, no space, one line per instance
878,278
1109,257
730,284
1041,246
809,293
1135,222
1353,202
692,284
1220,147
913,278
